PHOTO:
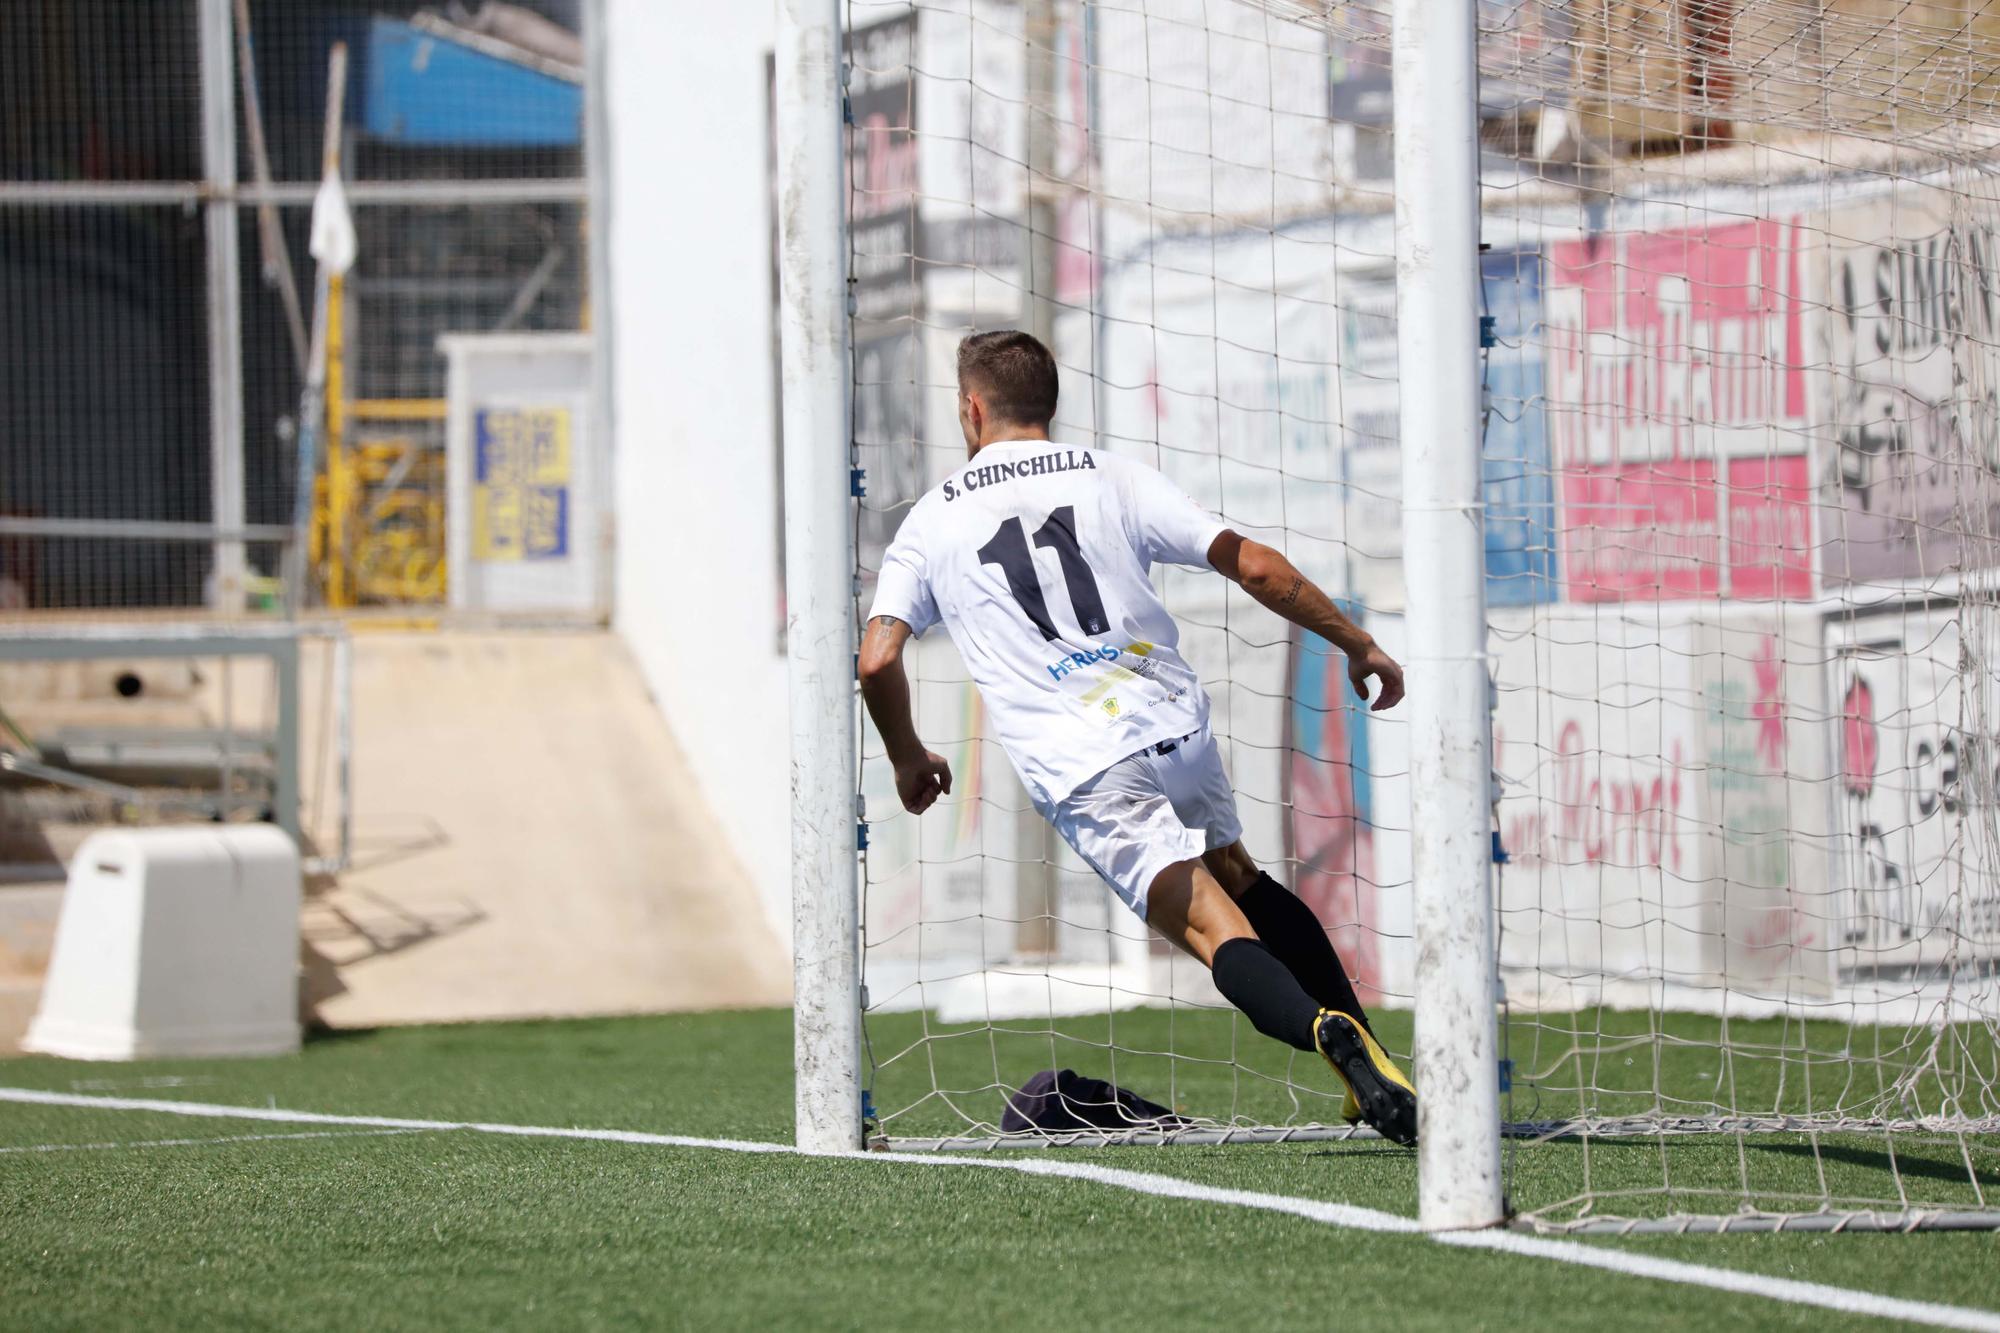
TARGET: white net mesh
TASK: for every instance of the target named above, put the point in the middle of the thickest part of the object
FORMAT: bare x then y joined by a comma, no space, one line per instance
1742,479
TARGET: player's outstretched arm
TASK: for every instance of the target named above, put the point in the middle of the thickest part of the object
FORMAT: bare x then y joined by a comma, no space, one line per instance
921,777
1276,583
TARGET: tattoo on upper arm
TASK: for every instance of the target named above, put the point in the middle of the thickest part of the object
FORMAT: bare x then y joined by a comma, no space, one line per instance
1292,593
884,624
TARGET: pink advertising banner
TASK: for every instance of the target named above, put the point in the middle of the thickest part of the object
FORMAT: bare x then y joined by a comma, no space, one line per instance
1641,530
1675,361
1668,530
1770,528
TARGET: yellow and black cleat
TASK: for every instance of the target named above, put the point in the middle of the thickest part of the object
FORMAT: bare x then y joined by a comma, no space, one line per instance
1377,1091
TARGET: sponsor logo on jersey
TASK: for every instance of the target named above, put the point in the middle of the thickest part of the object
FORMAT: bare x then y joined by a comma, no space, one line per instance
1041,465
1111,706
1062,666
1137,667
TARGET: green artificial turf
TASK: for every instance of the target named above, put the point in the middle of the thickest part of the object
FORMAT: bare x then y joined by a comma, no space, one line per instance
454,1229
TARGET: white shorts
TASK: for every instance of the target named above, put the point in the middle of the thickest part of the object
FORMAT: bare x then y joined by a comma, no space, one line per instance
1166,804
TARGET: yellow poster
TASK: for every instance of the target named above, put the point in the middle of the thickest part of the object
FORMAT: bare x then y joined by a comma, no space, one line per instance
520,485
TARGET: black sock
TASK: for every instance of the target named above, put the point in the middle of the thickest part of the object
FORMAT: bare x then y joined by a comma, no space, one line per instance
1295,938
1253,980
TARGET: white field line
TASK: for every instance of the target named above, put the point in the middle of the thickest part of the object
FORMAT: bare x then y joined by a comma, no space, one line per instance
1843,1299
203,1143
1621,1261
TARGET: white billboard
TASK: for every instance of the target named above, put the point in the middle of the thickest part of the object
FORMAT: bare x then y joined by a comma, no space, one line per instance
1916,701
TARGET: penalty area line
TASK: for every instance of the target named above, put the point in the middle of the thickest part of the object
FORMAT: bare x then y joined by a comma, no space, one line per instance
1623,1262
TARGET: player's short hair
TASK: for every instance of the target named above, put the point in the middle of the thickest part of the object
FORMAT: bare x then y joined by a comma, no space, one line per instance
1014,371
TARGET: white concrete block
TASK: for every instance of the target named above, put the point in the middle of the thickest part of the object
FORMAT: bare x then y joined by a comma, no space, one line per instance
175,942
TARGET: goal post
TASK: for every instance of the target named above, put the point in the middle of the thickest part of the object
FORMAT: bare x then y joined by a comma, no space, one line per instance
819,575
1437,299
1676,878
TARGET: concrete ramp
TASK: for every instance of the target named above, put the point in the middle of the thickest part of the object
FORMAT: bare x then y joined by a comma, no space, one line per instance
528,843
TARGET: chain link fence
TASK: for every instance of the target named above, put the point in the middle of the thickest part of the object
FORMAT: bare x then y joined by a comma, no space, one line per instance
158,165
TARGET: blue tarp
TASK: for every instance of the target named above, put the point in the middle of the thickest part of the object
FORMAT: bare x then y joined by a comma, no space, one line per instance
425,90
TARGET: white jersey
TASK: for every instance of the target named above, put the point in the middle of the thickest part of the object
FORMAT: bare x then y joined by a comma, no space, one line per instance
1037,555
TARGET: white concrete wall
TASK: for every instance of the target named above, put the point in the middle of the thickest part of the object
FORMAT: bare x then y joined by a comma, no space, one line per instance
698,577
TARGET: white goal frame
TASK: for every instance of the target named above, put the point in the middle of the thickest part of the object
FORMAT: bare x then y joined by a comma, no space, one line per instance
1437,249
819,578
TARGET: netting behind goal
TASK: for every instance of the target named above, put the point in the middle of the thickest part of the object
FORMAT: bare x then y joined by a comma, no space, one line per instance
1741,308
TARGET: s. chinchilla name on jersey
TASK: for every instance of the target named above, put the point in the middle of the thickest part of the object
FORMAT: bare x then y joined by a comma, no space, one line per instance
1041,465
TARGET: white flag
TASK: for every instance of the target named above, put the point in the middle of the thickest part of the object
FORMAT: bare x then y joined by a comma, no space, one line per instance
333,242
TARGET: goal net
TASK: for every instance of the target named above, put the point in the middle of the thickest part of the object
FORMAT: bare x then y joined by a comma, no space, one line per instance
1740,306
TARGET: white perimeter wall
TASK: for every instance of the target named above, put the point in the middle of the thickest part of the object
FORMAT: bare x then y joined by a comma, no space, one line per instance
698,578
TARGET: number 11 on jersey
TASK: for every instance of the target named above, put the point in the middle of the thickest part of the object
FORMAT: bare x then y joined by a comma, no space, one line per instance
1008,548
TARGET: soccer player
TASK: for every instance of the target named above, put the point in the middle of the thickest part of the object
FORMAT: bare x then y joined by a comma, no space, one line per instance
1036,556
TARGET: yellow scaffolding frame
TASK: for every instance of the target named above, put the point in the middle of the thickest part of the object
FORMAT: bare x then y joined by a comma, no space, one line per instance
378,525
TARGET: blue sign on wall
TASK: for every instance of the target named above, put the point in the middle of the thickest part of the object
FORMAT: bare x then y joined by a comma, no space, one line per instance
1519,482
521,483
